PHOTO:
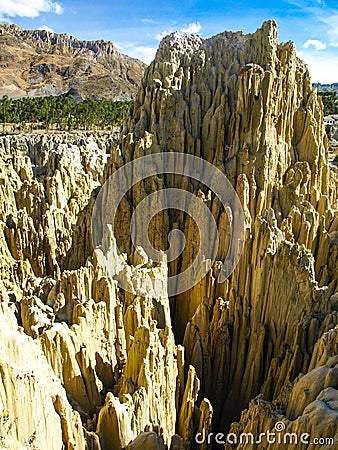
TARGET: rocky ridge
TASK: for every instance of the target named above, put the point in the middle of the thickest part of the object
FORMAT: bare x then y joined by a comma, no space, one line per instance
258,117
333,87
40,63
137,372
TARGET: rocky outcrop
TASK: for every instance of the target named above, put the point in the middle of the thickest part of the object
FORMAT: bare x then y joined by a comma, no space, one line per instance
131,368
33,403
38,63
45,366
89,336
47,182
245,103
304,414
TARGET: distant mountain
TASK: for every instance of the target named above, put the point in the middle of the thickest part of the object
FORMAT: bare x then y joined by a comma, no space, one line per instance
326,87
40,63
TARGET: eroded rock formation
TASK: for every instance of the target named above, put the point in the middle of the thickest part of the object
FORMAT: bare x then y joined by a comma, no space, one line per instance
245,103
133,371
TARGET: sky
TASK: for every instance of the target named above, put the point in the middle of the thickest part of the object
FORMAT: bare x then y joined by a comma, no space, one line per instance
136,27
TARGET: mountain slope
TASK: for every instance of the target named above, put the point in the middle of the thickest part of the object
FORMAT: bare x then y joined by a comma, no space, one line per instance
326,87
40,63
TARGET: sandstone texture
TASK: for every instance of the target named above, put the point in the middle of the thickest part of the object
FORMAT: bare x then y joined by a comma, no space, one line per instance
85,364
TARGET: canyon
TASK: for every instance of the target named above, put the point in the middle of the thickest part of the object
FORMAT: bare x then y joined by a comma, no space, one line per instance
86,364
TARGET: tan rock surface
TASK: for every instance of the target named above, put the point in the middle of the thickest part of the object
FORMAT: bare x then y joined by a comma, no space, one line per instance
308,408
128,369
245,103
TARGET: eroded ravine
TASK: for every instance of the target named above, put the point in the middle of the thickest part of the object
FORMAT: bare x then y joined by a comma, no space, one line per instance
132,367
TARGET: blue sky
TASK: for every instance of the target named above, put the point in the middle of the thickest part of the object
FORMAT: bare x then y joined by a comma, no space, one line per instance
137,26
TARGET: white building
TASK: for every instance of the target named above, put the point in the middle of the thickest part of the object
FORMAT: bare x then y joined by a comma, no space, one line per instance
330,120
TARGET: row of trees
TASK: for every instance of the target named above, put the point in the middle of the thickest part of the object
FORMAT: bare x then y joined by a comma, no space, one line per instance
330,101
62,113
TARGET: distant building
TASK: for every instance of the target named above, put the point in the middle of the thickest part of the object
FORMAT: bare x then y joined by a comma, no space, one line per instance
331,119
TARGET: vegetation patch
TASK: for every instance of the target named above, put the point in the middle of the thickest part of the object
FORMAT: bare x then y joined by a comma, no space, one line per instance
62,113
330,102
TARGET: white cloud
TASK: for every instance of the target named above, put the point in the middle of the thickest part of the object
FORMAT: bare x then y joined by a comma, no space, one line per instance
320,12
142,52
145,54
4,19
46,28
28,8
323,69
148,21
333,44
318,45
331,20
164,33
193,27
123,46
57,8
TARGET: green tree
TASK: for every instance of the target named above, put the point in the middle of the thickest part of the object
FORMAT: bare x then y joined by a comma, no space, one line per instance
330,102
63,112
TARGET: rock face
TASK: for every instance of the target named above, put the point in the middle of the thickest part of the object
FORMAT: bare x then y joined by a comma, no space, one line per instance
245,103
133,371
40,63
